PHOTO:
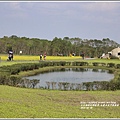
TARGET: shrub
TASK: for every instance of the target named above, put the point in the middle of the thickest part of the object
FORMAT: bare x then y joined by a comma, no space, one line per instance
68,63
73,63
65,85
62,63
103,64
34,82
113,85
56,63
111,65
80,64
4,78
118,66
60,85
95,64
88,85
104,85
14,80
14,70
99,64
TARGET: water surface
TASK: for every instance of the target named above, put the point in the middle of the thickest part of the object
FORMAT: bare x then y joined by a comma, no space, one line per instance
72,75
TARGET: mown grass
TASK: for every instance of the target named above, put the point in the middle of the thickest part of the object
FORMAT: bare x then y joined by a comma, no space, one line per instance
37,57
33,59
37,103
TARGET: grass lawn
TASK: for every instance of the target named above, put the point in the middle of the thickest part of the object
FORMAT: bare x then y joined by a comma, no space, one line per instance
36,103
36,58
32,59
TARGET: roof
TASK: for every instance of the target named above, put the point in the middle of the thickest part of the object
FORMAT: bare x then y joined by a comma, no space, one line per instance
116,49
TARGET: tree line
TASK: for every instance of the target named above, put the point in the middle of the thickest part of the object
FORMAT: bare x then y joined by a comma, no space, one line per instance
58,46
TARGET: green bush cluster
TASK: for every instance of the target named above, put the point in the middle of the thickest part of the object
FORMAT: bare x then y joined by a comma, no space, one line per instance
88,86
4,78
16,68
17,81
118,66
60,63
80,63
110,65
7,73
9,80
98,64
101,85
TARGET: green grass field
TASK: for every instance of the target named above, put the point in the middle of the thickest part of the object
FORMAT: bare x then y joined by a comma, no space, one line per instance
36,103
18,102
36,58
32,59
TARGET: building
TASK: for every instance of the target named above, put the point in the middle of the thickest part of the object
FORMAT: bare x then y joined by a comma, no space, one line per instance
115,53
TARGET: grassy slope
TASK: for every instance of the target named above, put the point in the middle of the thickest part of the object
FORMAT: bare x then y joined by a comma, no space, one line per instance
36,103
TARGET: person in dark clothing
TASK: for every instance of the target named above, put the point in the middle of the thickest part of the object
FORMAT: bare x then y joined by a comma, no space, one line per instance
10,55
41,57
83,55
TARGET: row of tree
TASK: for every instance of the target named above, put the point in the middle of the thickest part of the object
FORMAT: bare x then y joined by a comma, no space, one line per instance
57,46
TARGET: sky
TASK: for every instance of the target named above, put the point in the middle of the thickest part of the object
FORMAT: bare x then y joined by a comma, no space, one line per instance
50,19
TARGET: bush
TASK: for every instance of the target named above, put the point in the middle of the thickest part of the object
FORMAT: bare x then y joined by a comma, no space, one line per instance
88,85
118,66
62,63
14,81
95,64
68,63
103,64
4,79
80,64
56,63
73,63
111,65
14,71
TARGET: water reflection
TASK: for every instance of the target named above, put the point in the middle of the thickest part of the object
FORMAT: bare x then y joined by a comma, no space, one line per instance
71,78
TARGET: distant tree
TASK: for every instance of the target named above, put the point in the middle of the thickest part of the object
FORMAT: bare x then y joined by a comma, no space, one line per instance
65,46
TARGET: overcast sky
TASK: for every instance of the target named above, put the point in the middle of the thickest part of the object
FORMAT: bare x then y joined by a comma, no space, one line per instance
46,20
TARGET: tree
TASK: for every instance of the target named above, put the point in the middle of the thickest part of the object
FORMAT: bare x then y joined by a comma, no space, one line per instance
65,46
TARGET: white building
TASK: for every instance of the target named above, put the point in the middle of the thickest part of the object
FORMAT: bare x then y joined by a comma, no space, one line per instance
115,53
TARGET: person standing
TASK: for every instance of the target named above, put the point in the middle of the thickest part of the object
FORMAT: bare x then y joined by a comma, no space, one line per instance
44,56
41,57
83,55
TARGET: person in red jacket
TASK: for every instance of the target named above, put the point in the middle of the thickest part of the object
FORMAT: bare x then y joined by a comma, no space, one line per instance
44,56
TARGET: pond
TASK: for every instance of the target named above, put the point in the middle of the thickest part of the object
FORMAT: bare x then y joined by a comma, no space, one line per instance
71,75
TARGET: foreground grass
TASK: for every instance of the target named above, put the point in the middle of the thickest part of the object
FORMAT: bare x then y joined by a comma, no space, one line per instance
37,103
